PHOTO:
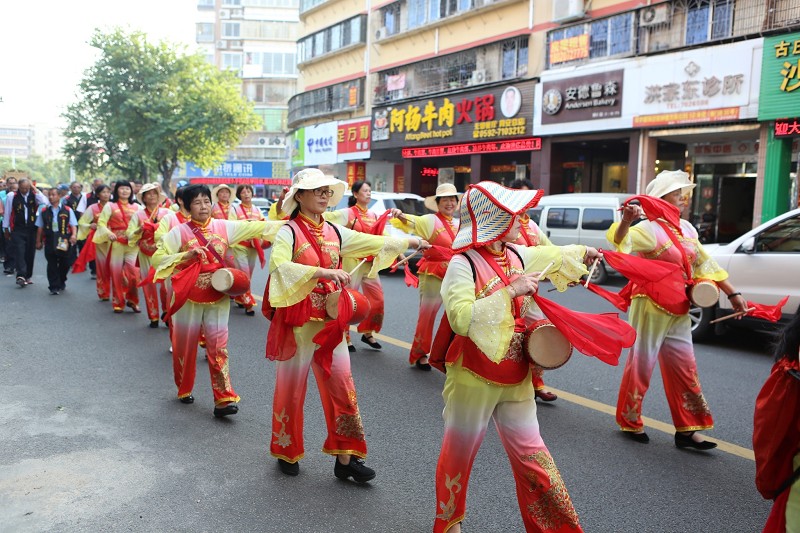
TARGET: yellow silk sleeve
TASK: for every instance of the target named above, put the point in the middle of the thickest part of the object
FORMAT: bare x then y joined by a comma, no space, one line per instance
289,282
356,245
163,227
639,238
339,217
85,224
134,231
488,322
244,230
168,254
274,214
706,267
567,263
102,233
421,226
543,240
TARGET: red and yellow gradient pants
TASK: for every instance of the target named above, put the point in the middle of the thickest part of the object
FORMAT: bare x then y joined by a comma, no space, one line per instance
245,259
124,275
667,339
430,301
469,404
152,291
337,393
373,290
186,325
102,271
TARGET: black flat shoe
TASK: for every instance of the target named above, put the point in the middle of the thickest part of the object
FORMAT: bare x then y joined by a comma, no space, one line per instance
290,469
640,437
250,312
187,399
355,469
230,409
154,323
240,306
422,366
351,348
685,441
372,344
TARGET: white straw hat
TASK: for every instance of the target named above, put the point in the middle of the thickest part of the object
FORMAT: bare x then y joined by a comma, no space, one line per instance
215,192
147,187
309,179
487,211
442,191
668,181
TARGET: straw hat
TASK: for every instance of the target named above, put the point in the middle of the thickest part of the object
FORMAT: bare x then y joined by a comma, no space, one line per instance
312,178
218,188
442,191
668,181
487,211
147,187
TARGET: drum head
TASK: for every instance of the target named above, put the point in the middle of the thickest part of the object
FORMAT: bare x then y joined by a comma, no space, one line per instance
548,347
705,294
222,279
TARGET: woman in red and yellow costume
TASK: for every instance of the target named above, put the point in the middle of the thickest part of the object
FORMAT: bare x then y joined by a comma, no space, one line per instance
141,233
438,229
304,270
531,235
487,293
246,253
221,202
112,227
87,227
358,218
189,254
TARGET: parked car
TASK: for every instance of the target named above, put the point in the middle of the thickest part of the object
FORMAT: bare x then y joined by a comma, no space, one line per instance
580,218
763,265
413,204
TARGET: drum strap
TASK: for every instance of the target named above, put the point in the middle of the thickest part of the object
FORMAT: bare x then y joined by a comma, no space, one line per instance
203,241
677,243
446,224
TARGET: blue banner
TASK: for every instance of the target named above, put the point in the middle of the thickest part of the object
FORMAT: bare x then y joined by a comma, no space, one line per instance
232,169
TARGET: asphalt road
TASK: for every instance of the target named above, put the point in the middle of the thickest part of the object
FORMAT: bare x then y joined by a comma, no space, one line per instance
93,438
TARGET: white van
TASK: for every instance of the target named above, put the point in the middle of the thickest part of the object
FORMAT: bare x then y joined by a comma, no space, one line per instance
580,218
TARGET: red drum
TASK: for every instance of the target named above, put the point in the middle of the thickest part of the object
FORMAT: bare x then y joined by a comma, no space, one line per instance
231,281
704,293
546,346
361,307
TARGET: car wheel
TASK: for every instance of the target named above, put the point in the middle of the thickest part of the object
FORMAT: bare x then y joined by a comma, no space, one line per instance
702,328
600,274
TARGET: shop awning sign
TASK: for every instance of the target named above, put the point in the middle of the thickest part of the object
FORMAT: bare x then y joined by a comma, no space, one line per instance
587,97
780,77
516,145
353,139
787,128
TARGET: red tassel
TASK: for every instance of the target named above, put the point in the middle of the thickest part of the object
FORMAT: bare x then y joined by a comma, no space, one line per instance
410,278
88,254
767,312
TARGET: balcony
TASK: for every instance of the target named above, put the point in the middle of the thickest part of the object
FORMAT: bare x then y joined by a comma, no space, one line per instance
326,101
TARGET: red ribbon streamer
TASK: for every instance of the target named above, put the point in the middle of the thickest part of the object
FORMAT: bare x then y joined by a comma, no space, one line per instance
332,333
88,254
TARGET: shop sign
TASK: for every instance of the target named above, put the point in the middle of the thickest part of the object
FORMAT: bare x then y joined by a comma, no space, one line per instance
298,148
780,77
352,139
320,144
583,98
494,113
787,128
704,85
733,148
232,170
517,145
356,171
569,49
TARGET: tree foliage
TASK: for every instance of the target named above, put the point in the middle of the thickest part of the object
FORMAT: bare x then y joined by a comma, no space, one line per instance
52,171
146,107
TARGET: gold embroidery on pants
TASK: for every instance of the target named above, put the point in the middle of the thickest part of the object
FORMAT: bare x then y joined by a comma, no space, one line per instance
282,439
221,379
350,426
695,403
553,510
449,508
633,409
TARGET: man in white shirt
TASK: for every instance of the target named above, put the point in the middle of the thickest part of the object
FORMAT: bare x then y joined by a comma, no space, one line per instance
19,225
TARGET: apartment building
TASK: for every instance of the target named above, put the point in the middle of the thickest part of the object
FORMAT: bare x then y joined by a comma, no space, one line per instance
577,96
24,141
257,40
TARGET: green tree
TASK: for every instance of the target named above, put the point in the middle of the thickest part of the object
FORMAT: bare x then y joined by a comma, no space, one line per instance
147,107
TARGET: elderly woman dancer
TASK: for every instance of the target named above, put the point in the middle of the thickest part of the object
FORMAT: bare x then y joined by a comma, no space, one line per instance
246,253
439,229
304,271
487,297
87,227
190,253
358,218
112,226
141,233
664,336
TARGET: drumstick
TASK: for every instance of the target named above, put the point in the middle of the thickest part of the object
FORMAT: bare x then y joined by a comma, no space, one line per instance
733,315
591,271
405,259
544,271
358,266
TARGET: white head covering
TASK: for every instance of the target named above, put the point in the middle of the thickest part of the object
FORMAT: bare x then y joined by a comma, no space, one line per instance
147,187
443,190
215,192
309,179
668,181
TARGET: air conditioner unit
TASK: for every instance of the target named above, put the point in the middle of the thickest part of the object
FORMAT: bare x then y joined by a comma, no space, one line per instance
221,45
652,15
567,10
224,14
235,45
478,76
263,141
382,33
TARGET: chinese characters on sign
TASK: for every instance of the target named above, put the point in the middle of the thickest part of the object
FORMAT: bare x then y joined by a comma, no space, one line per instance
687,117
356,171
588,97
517,145
787,128
678,94
790,69
353,139
569,49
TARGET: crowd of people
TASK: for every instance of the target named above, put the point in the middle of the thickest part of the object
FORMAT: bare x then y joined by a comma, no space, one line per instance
483,266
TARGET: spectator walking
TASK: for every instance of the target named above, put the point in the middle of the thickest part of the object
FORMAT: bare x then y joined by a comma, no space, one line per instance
8,255
57,234
19,225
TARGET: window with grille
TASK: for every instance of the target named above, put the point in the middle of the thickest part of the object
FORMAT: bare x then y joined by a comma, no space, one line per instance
346,33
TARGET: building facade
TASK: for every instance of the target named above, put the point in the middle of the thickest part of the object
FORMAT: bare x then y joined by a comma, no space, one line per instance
576,96
257,40
25,141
